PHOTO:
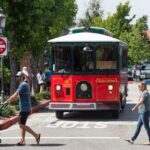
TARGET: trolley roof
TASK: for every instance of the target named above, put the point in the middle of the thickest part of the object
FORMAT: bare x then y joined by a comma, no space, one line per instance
84,37
90,29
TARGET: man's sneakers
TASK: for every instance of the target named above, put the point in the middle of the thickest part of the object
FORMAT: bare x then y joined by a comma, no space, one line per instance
130,141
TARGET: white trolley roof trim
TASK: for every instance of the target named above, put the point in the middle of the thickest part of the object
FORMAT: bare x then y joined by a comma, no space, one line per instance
83,37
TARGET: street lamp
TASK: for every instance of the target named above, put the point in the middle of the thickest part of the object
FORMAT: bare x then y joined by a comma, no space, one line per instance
2,21
2,26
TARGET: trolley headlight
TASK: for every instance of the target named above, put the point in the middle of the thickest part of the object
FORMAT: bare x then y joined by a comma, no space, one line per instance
110,87
58,87
84,87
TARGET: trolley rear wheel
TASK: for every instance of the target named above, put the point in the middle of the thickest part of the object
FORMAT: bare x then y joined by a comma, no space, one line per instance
115,114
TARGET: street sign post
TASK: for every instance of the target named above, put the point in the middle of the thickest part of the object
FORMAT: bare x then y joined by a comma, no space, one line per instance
3,52
3,46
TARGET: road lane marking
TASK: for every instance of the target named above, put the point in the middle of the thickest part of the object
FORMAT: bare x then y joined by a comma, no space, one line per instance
94,125
77,124
68,137
87,125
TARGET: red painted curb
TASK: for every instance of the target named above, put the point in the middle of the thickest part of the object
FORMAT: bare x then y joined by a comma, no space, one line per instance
41,104
10,121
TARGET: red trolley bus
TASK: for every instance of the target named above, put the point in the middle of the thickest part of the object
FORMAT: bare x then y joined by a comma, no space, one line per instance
89,72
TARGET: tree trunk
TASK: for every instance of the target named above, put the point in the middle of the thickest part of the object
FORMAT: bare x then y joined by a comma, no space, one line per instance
34,72
13,69
28,60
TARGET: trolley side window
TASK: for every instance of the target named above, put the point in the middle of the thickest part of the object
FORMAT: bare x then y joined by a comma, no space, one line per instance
124,58
62,59
106,57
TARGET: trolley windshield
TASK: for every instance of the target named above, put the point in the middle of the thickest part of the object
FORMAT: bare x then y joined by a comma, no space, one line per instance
84,58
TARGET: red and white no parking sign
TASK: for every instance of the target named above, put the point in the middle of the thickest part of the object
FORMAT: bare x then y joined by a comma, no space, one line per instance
3,46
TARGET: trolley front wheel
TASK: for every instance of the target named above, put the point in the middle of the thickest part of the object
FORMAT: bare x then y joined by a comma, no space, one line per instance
59,114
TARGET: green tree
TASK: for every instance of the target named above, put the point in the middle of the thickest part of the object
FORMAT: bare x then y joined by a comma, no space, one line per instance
94,11
30,23
138,45
119,22
122,27
133,34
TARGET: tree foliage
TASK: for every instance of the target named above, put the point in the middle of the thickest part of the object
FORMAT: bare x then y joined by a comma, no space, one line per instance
138,46
30,23
119,22
123,28
93,11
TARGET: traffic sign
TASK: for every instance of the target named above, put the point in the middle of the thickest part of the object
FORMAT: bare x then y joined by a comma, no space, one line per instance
3,46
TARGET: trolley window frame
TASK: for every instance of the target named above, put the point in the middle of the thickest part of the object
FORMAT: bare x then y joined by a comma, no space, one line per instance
120,47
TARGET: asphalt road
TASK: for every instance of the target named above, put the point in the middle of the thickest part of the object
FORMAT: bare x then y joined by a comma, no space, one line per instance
80,131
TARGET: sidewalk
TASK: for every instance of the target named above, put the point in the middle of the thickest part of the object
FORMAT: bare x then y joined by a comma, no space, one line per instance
4,124
133,82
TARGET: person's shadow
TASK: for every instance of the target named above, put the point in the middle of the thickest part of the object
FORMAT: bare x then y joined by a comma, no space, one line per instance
39,145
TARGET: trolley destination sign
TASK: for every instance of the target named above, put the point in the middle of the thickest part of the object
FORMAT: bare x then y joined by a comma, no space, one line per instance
3,46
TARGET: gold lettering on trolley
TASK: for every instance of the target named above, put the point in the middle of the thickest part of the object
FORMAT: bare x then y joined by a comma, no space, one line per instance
99,80
67,83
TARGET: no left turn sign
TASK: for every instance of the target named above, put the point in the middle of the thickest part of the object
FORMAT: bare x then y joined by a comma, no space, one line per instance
3,46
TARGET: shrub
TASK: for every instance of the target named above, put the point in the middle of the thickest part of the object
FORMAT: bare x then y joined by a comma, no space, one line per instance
9,111
43,95
34,100
15,105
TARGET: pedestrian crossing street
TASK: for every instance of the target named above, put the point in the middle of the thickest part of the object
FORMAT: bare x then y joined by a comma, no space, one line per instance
133,93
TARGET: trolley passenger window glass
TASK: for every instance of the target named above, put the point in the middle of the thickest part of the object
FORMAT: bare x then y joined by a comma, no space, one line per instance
83,58
106,57
62,59
124,58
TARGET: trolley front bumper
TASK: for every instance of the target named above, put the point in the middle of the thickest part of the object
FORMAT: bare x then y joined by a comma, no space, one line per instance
85,106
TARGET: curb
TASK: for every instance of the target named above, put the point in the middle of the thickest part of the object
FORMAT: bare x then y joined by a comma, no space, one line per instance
10,121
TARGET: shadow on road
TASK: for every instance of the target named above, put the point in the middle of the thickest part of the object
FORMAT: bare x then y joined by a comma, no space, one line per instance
125,115
7,145
40,145
46,144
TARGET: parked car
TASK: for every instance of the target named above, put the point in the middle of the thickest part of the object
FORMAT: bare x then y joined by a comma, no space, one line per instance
145,72
130,75
134,68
